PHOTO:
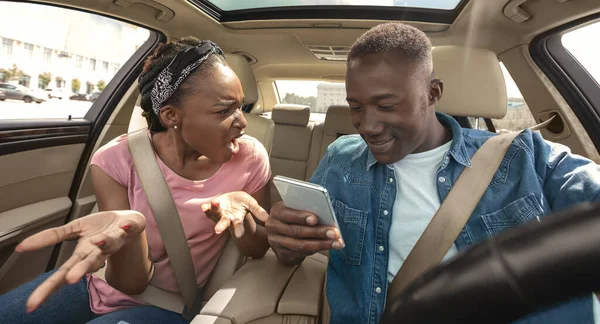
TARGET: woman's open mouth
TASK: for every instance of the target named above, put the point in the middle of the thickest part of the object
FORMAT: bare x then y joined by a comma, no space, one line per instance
233,144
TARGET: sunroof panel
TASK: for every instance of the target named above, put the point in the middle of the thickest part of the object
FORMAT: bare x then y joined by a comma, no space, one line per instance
231,5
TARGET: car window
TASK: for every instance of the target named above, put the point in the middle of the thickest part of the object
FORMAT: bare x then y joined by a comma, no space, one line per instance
586,52
76,53
318,95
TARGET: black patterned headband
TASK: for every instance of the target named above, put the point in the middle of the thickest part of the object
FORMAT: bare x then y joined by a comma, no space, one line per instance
182,65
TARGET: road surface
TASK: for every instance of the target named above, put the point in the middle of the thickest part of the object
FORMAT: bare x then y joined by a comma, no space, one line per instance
53,108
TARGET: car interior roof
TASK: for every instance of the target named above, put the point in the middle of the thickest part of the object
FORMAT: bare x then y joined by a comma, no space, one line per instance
278,47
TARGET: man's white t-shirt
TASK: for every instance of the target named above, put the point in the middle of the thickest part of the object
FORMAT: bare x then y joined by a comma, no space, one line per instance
417,200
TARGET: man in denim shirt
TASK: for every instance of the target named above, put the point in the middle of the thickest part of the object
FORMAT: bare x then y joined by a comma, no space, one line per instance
387,183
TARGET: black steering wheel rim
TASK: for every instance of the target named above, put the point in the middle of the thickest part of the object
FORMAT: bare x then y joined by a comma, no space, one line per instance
513,274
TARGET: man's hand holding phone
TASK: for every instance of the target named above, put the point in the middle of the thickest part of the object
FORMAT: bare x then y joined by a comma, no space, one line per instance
294,234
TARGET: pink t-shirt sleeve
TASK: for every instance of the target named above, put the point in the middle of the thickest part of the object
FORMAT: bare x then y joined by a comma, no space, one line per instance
260,169
113,160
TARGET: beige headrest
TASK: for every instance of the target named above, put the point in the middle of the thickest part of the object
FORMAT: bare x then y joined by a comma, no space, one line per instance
240,66
473,82
289,114
338,121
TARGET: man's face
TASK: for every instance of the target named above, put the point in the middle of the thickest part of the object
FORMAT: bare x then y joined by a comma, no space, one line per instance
390,104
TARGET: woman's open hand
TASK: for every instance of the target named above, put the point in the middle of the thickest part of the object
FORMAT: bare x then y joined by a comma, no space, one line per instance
99,235
232,210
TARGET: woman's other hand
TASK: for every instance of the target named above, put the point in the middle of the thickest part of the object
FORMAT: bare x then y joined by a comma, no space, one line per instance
232,210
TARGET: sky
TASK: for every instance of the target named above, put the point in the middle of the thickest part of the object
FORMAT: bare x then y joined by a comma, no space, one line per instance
584,45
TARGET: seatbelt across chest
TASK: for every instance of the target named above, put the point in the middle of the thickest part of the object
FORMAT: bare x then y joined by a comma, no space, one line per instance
453,214
167,218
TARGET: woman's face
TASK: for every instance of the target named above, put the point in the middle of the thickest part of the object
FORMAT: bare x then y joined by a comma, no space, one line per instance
211,120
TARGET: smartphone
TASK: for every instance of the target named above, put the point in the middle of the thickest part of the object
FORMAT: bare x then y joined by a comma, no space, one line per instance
310,197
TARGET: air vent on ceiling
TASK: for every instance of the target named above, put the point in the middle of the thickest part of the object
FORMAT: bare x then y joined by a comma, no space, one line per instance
329,53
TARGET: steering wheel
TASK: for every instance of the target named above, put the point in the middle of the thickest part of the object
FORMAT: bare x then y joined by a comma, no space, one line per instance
510,275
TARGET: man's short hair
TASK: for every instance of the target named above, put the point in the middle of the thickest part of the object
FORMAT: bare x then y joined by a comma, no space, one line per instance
399,38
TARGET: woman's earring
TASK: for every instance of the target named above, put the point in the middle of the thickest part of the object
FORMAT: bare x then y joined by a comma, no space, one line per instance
175,127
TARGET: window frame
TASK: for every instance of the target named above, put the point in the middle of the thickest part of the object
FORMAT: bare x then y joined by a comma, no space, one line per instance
332,12
8,46
29,50
47,54
98,114
571,79
78,61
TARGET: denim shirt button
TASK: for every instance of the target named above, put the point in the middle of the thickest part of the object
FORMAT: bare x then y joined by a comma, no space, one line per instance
391,179
442,179
385,212
378,290
381,248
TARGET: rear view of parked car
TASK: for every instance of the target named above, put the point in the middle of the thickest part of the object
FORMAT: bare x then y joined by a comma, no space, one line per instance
80,97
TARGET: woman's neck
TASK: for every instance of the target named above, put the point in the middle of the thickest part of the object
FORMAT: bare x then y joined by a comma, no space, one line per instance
181,159
170,147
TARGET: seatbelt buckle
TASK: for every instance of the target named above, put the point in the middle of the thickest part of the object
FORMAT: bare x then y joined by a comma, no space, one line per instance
188,313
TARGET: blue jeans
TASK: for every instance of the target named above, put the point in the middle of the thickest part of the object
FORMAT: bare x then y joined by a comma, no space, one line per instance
71,304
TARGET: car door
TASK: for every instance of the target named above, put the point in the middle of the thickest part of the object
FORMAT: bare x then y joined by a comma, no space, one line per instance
11,92
44,149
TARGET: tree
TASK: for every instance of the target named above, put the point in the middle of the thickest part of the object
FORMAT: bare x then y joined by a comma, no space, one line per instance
101,85
44,79
293,98
14,74
75,85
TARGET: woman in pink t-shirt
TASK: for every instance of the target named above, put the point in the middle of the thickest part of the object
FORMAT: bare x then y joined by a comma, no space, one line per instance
218,177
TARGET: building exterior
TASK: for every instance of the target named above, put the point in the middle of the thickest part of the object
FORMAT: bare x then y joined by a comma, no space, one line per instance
329,94
72,45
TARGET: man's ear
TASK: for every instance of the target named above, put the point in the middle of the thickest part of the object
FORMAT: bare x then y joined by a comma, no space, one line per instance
436,88
169,116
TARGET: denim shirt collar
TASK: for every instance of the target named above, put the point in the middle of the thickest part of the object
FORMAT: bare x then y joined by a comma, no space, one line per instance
458,149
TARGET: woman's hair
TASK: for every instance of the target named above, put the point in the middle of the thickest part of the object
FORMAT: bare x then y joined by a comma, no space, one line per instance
159,60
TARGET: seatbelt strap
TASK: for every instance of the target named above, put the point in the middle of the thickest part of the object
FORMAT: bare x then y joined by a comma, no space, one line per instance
451,217
166,215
